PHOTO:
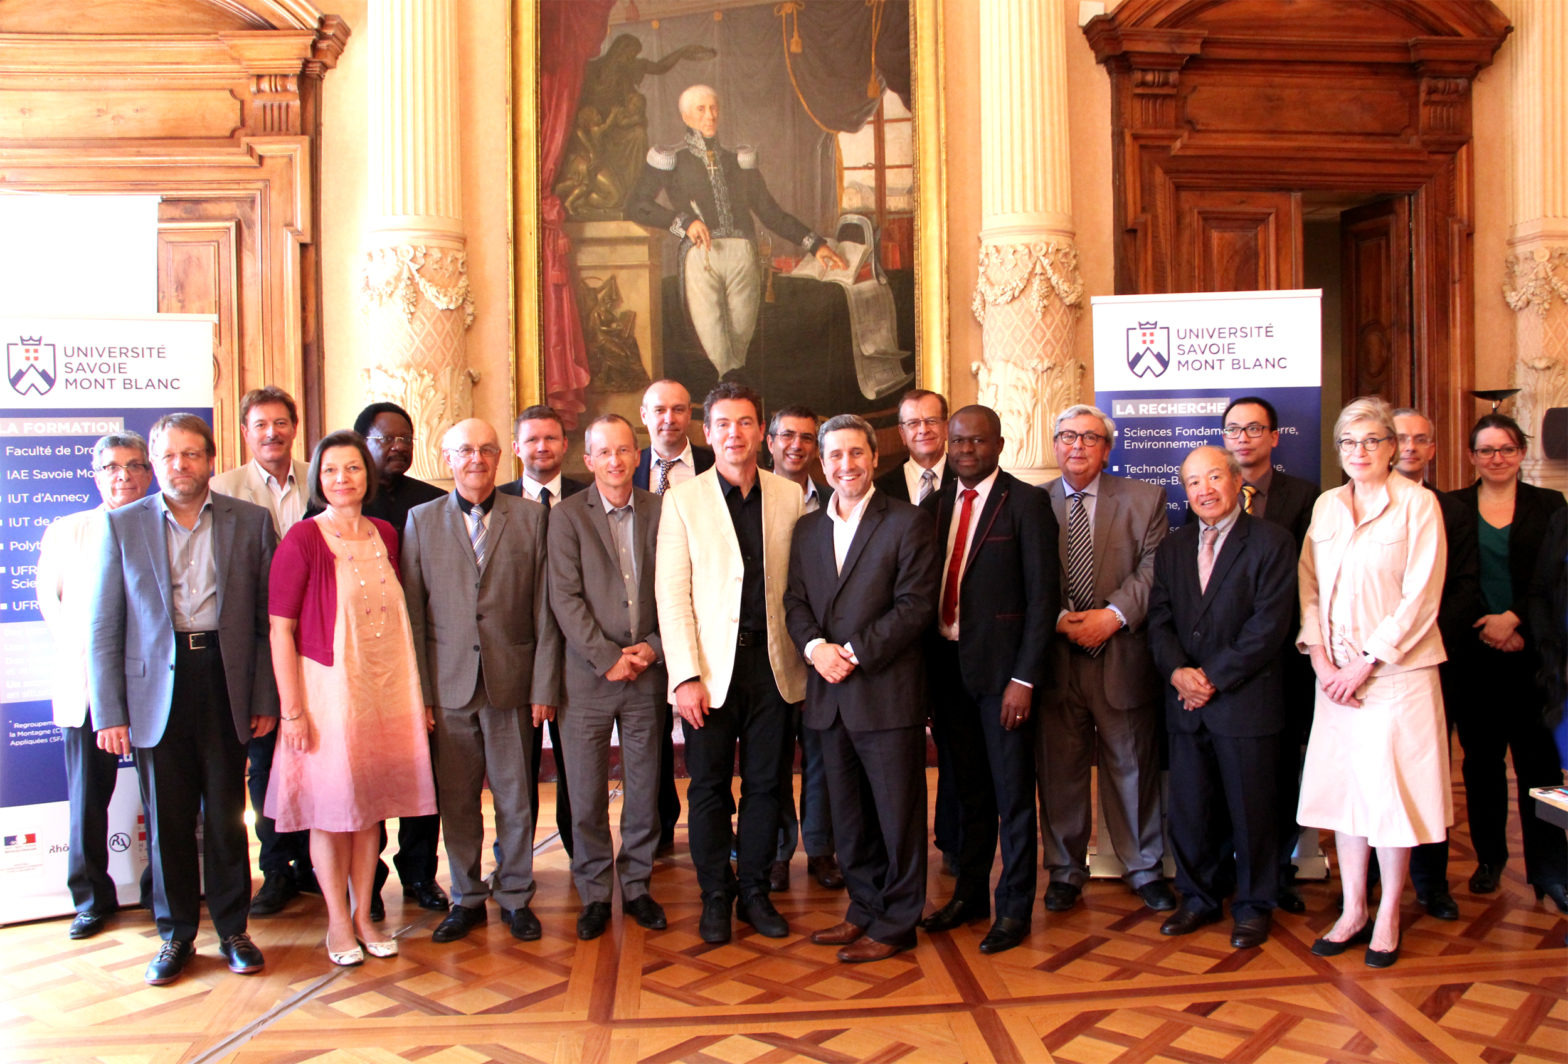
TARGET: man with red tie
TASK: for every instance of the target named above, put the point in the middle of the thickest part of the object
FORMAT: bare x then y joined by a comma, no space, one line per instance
989,659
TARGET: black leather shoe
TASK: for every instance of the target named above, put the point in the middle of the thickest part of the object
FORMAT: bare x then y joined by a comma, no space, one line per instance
1382,958
1185,921
525,925
955,913
460,920
242,954
647,912
1060,897
88,924
1439,904
429,895
1555,891
714,927
1290,901
778,876
1007,932
1157,895
378,908
171,960
1327,948
1486,879
277,890
825,871
759,912
1250,931
594,918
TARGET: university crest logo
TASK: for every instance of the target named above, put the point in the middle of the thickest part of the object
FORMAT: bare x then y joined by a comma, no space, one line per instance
30,365
1149,349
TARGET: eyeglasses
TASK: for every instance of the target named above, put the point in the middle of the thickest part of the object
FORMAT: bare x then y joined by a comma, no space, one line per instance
114,469
793,437
1252,431
465,453
915,423
1068,437
1507,451
1367,444
403,440
1406,439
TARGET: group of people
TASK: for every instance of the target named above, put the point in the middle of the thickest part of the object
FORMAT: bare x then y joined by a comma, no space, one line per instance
375,648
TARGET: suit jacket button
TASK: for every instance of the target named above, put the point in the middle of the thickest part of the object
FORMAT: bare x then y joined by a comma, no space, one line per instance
476,648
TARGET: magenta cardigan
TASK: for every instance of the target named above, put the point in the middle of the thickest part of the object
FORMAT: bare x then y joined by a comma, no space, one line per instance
302,585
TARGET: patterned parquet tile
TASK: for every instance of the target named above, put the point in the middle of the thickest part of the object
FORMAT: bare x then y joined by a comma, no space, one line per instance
1098,984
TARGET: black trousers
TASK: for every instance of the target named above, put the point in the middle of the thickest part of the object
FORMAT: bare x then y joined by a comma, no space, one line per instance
756,716
995,772
197,770
1222,802
418,841
90,774
669,797
281,851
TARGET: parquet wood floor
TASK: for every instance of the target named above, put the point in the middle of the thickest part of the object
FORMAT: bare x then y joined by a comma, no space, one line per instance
1096,985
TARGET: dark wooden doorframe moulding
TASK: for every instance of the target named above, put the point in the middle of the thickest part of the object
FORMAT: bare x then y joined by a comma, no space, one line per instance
1215,102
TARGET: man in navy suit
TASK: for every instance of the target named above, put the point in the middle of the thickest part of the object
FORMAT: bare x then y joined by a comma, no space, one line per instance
1221,613
181,670
862,582
990,659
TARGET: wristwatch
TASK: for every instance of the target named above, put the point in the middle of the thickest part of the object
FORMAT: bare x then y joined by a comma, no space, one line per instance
1369,657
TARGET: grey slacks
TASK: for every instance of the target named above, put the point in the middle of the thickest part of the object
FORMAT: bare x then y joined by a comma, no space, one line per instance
585,736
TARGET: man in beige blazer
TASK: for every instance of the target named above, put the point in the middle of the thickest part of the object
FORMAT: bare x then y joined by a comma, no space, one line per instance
274,480
489,656
722,567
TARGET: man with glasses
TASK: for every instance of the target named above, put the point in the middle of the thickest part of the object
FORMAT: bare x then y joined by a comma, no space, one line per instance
1106,703
122,474
1250,427
182,672
1460,605
489,656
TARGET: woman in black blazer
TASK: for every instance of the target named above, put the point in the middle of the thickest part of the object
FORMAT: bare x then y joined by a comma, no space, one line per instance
1502,707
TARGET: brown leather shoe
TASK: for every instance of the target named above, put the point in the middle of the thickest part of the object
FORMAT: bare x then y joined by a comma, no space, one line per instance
867,949
838,935
825,871
778,876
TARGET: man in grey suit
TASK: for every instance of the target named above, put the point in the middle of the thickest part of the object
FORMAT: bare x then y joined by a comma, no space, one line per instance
1106,709
602,543
487,647
181,670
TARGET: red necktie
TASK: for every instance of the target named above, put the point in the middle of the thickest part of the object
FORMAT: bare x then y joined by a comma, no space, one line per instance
955,564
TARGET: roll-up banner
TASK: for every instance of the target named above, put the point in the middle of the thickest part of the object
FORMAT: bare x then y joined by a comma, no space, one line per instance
68,382
1167,366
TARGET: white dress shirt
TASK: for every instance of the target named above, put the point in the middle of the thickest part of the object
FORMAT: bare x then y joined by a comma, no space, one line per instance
683,468
913,471
844,529
532,488
983,491
286,498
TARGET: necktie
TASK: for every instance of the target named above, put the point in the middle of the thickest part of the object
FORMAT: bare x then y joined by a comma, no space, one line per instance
476,533
1080,561
544,497
664,474
1206,556
927,485
1247,492
955,565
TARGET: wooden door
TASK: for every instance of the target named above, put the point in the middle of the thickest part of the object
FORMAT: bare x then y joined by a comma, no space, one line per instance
199,273
1376,276
1237,241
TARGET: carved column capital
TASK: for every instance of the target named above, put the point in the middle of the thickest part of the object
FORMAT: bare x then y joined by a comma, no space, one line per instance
1536,276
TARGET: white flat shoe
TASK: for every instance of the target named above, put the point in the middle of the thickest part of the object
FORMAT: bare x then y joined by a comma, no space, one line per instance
349,958
382,949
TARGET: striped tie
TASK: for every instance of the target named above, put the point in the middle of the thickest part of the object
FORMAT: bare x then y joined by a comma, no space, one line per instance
927,485
1080,560
477,533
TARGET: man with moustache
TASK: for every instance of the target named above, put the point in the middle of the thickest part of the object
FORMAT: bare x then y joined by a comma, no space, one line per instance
1221,612
1460,604
861,579
792,444
723,560
489,656
1105,710
275,480
601,553
669,459
182,673
121,473
989,660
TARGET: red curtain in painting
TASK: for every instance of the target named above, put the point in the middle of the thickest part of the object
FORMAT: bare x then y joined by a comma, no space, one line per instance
571,32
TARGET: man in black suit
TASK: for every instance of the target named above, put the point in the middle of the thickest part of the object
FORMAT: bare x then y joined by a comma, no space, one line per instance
1461,604
539,439
1250,427
1221,612
990,657
862,577
670,459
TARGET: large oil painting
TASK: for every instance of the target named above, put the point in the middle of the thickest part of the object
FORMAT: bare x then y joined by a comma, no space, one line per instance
728,190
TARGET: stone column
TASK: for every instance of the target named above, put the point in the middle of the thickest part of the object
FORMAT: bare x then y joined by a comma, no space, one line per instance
414,282
1028,294
1537,268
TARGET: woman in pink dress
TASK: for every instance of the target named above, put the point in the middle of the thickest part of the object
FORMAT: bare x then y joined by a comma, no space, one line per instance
1376,771
352,746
